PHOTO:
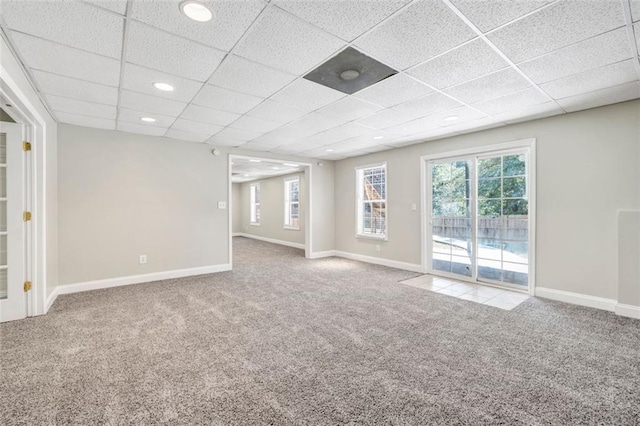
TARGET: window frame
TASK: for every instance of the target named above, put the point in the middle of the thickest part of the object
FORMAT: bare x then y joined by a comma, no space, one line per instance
359,177
288,203
253,204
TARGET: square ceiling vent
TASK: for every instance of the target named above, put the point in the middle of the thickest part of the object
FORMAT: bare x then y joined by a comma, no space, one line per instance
350,71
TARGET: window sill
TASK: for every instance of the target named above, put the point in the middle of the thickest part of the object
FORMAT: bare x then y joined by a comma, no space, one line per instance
292,228
372,237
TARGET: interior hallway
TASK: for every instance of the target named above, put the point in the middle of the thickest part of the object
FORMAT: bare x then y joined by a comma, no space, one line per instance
286,340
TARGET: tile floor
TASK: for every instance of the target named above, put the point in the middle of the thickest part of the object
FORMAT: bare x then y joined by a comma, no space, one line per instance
499,298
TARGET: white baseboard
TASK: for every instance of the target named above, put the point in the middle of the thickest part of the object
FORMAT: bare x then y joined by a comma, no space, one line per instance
270,240
628,310
138,279
236,234
321,254
380,261
577,299
52,298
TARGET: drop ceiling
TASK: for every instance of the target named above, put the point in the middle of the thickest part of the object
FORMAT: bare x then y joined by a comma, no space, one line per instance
249,169
239,78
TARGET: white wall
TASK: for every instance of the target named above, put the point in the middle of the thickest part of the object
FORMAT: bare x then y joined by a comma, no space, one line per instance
587,169
122,195
322,183
44,152
272,210
236,198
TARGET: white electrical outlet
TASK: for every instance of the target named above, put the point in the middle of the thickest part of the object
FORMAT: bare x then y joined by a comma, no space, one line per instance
414,207
222,205
143,259
377,247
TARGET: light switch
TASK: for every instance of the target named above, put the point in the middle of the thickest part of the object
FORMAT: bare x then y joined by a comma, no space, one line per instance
414,207
222,205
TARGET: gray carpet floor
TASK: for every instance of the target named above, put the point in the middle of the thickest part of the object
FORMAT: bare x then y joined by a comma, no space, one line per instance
285,340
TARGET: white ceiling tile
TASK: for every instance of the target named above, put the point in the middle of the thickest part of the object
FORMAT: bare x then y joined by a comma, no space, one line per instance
220,141
383,119
70,23
156,49
74,106
273,140
344,131
512,101
635,10
230,20
186,135
276,111
588,54
350,108
345,19
610,95
283,42
253,124
118,6
636,30
437,120
141,129
318,122
236,134
47,56
196,127
489,87
393,91
150,104
245,76
54,84
489,14
208,115
139,79
556,26
226,100
86,121
307,95
464,63
427,105
595,79
131,116
253,146
530,112
292,131
413,30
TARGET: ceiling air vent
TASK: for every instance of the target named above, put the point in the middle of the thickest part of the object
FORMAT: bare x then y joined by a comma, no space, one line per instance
350,71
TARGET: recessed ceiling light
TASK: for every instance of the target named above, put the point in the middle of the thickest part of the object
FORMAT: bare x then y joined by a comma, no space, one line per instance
329,150
256,161
196,11
148,119
290,165
378,137
276,168
165,87
451,118
246,175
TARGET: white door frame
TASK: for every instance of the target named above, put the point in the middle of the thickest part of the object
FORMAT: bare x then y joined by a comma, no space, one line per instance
425,196
308,203
34,130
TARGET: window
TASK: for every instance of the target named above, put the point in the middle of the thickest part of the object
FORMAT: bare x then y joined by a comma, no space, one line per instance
255,203
371,185
292,203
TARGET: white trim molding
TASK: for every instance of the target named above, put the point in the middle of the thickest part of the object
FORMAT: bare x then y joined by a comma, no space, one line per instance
577,299
322,254
52,298
413,267
628,310
270,240
140,279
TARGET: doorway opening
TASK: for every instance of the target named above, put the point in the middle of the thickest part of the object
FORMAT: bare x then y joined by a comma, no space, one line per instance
270,200
479,215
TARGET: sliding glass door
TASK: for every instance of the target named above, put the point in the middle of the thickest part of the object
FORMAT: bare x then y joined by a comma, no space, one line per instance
478,217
